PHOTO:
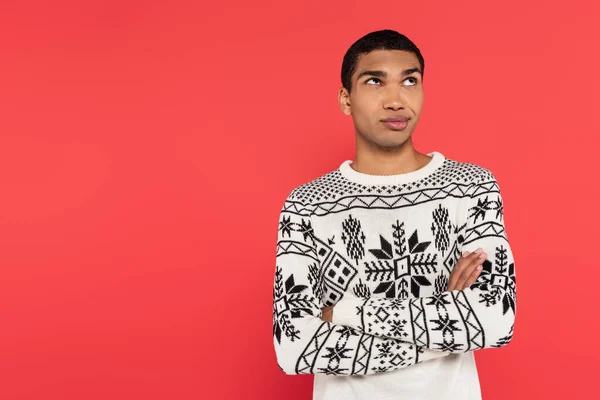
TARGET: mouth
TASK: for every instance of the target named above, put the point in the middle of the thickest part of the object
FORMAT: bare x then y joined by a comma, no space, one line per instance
396,123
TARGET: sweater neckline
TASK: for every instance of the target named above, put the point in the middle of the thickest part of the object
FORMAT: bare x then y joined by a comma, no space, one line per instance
368,179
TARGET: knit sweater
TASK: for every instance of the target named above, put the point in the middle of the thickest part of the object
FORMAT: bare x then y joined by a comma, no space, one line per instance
381,249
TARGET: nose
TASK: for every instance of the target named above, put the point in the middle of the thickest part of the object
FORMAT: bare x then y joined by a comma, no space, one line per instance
394,100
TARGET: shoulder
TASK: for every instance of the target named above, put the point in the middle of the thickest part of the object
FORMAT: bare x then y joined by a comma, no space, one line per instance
468,172
317,189
477,180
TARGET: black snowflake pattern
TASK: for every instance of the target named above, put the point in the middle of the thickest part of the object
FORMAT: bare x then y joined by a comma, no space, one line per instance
497,281
339,352
388,356
289,302
287,226
401,268
484,205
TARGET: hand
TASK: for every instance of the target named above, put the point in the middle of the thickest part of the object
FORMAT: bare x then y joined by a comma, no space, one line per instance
327,314
466,270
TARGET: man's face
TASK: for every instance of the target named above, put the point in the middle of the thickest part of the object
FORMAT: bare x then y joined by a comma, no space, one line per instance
386,84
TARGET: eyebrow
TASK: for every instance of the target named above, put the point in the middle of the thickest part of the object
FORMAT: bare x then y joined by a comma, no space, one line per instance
383,74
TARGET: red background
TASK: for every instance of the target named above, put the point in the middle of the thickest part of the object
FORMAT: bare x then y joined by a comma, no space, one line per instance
146,149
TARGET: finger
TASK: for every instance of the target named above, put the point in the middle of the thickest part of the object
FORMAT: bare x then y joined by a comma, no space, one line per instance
463,263
476,261
460,265
473,277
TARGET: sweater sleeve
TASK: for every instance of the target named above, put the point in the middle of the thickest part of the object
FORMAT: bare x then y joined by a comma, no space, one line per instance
480,316
304,343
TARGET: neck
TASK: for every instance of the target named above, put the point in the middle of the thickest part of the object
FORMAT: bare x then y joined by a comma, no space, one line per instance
388,161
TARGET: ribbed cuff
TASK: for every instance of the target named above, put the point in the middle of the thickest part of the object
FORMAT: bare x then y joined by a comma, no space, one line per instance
345,312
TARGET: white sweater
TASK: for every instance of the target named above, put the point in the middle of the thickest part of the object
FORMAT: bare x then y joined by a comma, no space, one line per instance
381,248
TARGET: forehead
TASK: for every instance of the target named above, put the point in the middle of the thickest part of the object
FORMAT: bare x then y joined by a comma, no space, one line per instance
391,61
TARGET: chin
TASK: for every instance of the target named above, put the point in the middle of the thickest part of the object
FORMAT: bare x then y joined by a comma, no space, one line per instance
386,138
393,138
391,144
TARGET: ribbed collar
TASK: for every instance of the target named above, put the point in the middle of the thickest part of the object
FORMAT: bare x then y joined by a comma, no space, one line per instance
368,179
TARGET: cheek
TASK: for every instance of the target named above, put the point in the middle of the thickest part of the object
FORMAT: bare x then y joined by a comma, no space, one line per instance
361,121
369,105
417,101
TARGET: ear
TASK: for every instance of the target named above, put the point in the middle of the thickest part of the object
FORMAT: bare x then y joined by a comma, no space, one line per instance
344,101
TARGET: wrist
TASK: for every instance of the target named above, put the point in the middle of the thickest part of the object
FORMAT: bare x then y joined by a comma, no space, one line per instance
346,312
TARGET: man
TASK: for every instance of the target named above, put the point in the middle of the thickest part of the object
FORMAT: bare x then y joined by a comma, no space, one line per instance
394,268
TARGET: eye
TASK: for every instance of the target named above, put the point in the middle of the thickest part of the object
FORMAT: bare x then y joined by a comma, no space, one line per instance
414,79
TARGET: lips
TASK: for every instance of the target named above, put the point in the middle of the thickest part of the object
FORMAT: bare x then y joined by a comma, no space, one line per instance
395,119
396,123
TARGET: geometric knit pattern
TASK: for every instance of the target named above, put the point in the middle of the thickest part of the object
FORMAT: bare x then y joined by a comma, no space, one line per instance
383,255
333,185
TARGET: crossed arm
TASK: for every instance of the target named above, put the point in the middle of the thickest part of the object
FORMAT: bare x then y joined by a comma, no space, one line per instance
372,335
464,274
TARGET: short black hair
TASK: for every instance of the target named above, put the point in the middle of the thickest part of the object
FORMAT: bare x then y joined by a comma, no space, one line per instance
385,39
